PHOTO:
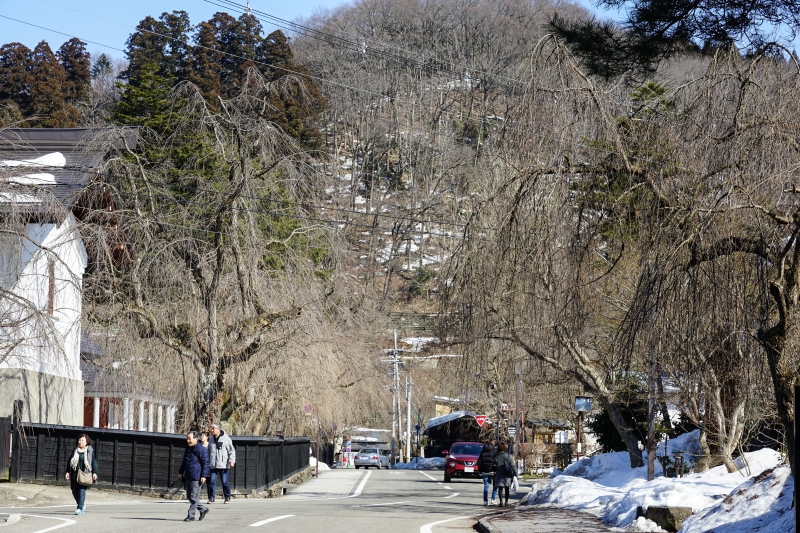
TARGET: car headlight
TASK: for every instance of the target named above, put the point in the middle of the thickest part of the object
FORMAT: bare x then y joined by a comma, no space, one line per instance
452,463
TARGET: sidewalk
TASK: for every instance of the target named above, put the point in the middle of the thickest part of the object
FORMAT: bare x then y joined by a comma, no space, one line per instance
337,483
532,519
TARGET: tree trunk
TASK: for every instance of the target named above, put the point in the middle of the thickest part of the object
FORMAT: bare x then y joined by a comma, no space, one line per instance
630,440
703,463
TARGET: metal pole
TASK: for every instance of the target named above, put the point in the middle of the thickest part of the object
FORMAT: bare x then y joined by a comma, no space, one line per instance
318,428
579,439
651,419
409,385
520,425
395,400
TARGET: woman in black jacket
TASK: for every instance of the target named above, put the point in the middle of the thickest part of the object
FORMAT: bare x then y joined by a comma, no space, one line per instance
82,460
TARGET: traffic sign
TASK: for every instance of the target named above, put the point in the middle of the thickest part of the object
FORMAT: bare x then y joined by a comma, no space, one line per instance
480,419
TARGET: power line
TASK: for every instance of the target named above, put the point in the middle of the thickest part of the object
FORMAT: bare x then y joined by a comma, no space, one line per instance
283,69
62,33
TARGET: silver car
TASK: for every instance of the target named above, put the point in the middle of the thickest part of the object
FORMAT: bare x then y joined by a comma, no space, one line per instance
368,457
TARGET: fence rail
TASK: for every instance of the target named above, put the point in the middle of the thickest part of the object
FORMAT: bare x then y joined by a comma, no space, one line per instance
148,462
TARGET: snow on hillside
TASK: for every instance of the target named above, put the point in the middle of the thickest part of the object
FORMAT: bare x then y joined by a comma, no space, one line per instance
607,487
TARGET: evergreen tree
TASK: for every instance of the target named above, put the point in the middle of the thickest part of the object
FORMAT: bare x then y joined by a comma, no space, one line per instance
48,103
102,67
177,49
145,99
206,66
145,46
225,29
76,62
15,78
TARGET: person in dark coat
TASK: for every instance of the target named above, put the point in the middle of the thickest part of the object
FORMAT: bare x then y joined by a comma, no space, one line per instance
194,472
486,467
506,471
83,459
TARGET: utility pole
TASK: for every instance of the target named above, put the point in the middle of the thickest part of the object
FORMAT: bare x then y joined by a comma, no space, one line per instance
651,419
409,386
518,416
395,399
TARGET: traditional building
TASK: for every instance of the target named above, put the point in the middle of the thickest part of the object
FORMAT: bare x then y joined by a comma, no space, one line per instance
43,176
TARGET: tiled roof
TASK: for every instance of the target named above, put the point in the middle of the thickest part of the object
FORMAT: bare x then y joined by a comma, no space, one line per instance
83,149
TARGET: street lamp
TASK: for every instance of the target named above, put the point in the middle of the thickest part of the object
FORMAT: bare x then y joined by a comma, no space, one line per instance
583,404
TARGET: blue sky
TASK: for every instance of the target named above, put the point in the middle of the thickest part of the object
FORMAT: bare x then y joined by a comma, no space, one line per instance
110,23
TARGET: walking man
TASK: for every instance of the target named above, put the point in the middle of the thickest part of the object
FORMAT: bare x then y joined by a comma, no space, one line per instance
193,472
486,466
223,457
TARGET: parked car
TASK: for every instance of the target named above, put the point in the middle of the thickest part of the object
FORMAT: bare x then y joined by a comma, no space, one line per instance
462,460
368,457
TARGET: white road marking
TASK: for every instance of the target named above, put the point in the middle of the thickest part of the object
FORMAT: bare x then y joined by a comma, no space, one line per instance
451,496
380,504
428,528
361,486
428,476
67,522
449,488
268,520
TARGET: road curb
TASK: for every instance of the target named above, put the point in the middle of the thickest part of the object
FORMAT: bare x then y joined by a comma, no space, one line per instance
484,526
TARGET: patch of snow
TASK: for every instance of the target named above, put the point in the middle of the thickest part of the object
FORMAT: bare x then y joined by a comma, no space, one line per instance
312,461
759,505
606,486
422,463
21,498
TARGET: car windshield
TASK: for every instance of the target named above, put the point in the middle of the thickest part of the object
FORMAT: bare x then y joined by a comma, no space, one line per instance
466,449
368,450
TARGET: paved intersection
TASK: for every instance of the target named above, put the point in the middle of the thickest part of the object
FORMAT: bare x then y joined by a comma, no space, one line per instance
341,501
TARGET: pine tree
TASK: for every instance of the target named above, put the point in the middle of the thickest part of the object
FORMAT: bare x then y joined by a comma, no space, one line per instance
15,80
48,103
76,62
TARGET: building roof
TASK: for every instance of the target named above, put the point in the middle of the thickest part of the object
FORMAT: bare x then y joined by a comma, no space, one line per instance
89,347
83,150
547,423
439,420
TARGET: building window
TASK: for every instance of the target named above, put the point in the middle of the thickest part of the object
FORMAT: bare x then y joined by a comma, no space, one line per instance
51,285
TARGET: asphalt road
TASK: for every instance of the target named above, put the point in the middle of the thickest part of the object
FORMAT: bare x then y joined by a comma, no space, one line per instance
346,501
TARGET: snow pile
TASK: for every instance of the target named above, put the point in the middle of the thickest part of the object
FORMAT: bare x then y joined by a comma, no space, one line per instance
761,504
322,466
422,463
607,487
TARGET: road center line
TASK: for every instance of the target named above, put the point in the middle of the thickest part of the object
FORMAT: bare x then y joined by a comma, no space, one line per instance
451,496
428,476
449,488
67,522
428,528
268,520
361,486
380,504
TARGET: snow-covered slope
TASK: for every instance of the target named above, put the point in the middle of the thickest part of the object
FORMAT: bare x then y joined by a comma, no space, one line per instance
607,487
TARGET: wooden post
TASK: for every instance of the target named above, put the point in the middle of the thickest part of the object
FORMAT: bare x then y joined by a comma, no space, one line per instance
17,437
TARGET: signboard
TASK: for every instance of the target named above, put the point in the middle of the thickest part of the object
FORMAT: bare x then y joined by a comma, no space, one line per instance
583,403
480,419
512,431
347,448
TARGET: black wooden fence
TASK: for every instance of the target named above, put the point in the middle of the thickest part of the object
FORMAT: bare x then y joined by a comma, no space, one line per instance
5,446
149,462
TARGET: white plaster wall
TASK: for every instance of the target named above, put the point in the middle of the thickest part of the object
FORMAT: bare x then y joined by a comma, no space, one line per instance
41,342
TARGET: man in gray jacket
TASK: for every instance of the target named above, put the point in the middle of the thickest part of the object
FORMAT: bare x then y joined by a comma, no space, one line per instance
222,457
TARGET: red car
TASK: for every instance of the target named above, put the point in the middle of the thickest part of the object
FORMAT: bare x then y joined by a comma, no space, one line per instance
462,460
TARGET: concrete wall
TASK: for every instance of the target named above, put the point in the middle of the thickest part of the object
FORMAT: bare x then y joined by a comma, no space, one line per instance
48,399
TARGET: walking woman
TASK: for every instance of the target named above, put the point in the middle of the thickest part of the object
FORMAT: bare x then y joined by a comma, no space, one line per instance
506,470
204,440
81,470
